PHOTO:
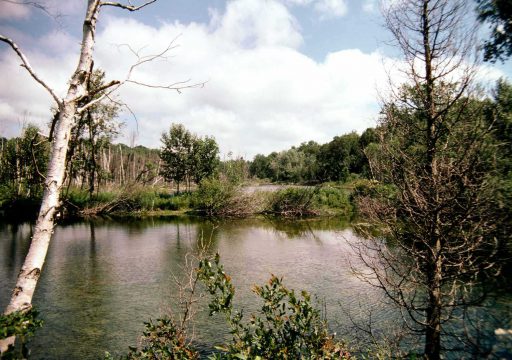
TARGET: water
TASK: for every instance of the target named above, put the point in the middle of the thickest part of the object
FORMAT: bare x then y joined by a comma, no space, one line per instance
103,279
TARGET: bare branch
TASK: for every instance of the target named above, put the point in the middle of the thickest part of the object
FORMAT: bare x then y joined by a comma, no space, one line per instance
27,66
178,86
126,7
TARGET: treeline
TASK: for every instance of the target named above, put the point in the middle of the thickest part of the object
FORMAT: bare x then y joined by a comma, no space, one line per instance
23,163
314,163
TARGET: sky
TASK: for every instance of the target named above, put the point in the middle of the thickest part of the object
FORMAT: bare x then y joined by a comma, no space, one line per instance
276,73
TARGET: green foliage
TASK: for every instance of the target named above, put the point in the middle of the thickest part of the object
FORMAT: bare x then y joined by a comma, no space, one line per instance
162,339
340,157
293,202
287,326
176,153
234,170
219,197
497,14
212,196
21,324
205,158
373,189
187,157
23,162
79,202
333,198
314,163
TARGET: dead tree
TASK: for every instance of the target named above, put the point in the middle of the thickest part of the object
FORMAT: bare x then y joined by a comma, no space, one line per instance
435,244
70,107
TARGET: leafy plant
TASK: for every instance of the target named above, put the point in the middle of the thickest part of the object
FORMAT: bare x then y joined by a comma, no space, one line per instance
293,202
287,326
162,339
21,324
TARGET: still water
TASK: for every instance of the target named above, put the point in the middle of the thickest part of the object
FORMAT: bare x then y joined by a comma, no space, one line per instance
103,279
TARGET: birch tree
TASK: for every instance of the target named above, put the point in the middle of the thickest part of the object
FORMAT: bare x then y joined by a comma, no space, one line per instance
76,101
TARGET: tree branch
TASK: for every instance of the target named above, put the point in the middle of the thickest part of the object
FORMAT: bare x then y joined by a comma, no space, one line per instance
31,71
126,7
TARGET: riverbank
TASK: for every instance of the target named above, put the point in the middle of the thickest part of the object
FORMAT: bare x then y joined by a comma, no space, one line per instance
211,199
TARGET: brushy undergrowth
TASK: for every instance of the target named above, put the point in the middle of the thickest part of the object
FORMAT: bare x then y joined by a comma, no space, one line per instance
309,201
215,197
131,199
287,326
23,325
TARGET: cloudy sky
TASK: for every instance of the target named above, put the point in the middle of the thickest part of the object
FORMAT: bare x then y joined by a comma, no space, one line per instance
276,72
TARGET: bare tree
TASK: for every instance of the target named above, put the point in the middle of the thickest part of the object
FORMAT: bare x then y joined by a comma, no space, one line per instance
436,241
77,100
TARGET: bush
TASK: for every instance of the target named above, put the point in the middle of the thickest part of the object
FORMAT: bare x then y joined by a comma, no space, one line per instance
21,324
293,202
331,198
136,198
216,197
287,326
162,339
373,189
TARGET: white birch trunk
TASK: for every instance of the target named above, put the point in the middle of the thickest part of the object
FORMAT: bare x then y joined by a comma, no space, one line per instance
21,299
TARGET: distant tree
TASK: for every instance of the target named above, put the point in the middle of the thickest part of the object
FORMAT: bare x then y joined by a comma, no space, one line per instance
260,167
339,158
176,154
367,143
234,170
205,153
94,130
23,162
288,165
311,149
498,15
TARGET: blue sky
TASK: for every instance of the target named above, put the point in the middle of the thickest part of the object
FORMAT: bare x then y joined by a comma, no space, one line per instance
277,72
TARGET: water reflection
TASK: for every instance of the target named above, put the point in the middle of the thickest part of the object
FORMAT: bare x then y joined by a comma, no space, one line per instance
104,278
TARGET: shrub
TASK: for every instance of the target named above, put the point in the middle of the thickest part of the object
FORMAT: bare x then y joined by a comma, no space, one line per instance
21,324
287,326
293,202
216,197
162,339
372,189
332,198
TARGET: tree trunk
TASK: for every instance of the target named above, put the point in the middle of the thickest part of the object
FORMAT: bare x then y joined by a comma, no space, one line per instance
433,329
21,299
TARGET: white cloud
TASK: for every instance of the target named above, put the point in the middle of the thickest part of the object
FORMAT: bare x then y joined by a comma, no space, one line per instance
262,94
331,8
13,11
370,6
326,9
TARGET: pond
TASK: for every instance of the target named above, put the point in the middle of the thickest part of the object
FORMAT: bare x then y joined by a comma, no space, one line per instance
104,278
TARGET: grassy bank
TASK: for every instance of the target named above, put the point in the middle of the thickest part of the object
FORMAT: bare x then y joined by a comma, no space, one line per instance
212,197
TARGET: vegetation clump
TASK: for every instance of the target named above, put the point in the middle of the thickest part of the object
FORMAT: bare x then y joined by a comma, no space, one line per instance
287,325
